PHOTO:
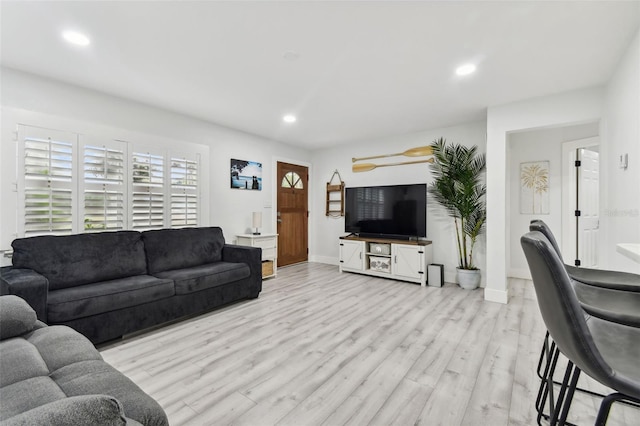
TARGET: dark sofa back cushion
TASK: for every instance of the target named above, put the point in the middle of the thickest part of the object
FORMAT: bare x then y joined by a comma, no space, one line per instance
73,260
169,249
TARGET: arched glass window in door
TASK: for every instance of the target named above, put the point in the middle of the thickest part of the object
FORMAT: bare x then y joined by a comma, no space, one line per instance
292,180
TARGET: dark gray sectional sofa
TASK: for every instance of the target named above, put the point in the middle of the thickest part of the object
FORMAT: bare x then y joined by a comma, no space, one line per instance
52,375
109,284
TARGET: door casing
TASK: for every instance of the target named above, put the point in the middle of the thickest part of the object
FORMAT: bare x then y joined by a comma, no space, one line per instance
569,177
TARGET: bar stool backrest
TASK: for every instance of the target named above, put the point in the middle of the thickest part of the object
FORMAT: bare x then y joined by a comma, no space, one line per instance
540,226
560,309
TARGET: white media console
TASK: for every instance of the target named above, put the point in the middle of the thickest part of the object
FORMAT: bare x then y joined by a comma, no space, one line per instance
395,259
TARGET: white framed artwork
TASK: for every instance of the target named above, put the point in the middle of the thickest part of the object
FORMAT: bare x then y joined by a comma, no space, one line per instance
534,187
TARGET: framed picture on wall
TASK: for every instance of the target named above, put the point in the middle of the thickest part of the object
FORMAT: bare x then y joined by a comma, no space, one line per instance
534,187
246,175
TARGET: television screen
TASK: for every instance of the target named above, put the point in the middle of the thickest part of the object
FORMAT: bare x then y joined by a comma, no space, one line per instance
396,211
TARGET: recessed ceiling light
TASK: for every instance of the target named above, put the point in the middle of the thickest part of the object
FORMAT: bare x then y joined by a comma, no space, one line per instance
289,118
290,55
465,69
76,38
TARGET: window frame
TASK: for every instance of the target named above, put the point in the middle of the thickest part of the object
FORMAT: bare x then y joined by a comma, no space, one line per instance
80,185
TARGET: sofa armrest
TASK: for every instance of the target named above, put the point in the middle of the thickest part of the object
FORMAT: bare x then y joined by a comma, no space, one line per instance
75,410
27,284
252,256
16,317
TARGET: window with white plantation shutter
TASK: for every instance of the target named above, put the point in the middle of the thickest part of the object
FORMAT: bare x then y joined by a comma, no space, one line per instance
147,198
370,203
184,191
71,183
104,188
48,181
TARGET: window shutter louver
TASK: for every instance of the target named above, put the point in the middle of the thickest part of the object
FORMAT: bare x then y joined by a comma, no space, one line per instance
371,203
184,192
69,183
148,191
48,172
104,195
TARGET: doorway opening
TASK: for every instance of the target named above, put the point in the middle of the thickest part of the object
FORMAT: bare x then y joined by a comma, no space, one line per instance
556,146
580,201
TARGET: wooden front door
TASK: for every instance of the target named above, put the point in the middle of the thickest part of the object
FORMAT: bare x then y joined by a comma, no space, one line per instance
292,214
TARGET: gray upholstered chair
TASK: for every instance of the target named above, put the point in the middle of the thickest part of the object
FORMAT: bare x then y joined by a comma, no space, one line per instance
606,351
615,280
609,295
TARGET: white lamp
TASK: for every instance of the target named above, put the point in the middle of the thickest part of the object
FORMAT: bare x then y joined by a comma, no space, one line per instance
257,222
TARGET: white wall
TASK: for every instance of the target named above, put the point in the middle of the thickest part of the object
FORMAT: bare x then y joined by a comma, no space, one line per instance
325,231
538,145
574,107
620,196
34,100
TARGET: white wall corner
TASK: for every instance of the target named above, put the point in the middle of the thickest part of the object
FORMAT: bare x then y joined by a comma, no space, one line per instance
498,296
523,274
450,277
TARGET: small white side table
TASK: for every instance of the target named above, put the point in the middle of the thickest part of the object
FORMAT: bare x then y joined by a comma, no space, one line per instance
269,245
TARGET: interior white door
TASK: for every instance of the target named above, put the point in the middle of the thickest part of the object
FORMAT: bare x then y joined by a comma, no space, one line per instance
588,205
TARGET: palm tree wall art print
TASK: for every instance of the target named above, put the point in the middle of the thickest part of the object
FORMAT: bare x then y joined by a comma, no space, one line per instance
534,187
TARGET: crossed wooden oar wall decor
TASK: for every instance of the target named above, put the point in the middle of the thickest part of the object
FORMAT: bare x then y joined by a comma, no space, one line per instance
421,151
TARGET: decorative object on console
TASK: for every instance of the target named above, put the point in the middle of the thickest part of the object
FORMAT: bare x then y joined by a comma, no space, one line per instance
257,222
380,248
459,188
332,202
246,175
380,264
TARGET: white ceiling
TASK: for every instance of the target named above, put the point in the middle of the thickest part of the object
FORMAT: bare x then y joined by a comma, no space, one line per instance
365,69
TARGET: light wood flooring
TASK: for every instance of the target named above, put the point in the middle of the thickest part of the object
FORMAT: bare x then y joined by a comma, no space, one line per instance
323,348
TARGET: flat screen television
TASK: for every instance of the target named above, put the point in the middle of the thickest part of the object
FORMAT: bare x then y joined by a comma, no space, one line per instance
394,211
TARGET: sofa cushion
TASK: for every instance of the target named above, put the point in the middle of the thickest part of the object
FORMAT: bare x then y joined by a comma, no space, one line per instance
169,249
50,364
42,351
92,299
19,361
198,278
98,377
28,394
77,410
73,260
59,345
16,317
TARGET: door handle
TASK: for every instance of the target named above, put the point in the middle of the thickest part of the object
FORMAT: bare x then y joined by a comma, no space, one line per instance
279,220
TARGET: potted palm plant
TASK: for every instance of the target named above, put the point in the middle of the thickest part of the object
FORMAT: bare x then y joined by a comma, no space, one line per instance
458,186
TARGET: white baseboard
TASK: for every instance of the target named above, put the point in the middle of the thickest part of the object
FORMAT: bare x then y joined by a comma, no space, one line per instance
450,277
523,274
324,259
499,296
